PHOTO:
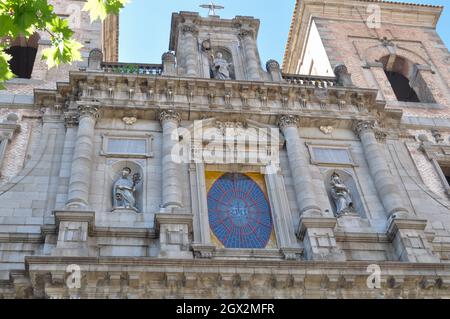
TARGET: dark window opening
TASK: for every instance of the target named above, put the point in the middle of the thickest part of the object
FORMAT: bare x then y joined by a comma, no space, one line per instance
400,84
22,60
446,171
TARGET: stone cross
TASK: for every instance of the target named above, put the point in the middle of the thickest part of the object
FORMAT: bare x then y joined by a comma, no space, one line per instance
212,8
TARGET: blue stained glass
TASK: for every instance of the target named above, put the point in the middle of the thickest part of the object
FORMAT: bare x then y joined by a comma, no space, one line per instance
239,213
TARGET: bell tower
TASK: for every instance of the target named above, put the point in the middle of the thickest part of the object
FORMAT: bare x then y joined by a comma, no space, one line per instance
110,38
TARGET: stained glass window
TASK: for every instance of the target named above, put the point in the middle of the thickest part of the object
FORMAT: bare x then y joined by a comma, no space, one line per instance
239,212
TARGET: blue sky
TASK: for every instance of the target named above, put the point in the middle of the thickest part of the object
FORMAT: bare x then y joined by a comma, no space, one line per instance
145,25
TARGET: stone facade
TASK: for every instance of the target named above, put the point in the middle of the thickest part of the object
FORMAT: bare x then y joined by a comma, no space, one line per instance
62,149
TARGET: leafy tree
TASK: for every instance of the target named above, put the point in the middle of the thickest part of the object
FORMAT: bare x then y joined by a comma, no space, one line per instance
25,17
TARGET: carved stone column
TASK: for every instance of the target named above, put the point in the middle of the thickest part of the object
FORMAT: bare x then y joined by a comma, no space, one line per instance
172,197
251,59
386,188
315,229
80,177
301,174
190,46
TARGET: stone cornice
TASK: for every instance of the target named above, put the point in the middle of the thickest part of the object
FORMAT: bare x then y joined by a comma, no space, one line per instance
299,266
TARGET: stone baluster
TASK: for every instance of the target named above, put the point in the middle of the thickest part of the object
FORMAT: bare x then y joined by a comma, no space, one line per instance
190,46
301,173
251,59
172,197
80,180
386,188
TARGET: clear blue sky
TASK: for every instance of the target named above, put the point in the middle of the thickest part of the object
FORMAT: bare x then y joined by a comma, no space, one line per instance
145,25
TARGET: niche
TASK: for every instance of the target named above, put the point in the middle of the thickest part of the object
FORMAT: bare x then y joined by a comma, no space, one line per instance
343,194
225,55
115,173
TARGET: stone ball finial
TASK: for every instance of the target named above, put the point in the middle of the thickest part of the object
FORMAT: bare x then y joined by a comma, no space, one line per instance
272,65
340,69
168,57
343,78
423,138
12,118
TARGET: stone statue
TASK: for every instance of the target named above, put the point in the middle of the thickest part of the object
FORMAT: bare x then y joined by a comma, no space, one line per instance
124,189
221,67
341,195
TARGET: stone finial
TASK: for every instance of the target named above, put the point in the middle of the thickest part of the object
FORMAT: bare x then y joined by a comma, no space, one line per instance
95,59
169,115
169,63
168,57
273,68
286,121
437,136
361,126
272,65
343,78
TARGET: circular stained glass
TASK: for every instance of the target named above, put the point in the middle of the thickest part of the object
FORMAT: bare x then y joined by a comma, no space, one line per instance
239,213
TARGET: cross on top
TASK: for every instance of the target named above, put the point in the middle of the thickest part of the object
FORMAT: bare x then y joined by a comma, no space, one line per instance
212,8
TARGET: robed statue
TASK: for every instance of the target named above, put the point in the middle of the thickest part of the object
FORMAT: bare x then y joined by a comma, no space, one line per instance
341,196
124,190
221,67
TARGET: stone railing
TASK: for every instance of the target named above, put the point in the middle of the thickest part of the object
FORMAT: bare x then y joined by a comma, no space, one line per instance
317,81
132,68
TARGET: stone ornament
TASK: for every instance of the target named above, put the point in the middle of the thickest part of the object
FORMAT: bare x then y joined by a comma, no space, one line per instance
226,127
341,196
170,115
287,121
327,130
129,120
124,190
221,67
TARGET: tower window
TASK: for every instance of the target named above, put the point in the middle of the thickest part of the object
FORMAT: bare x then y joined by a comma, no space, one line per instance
446,171
406,80
400,84
23,54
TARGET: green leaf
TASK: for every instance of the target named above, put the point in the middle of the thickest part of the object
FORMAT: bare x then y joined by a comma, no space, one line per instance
66,51
5,71
100,9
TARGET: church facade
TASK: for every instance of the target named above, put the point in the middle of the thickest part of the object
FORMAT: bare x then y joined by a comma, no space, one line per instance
207,176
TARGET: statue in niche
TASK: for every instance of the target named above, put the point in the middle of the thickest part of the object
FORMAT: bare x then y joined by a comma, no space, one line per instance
221,67
124,190
341,196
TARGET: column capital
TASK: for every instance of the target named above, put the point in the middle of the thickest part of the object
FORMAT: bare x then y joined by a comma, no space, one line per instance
286,121
71,119
243,33
170,115
189,28
361,126
89,110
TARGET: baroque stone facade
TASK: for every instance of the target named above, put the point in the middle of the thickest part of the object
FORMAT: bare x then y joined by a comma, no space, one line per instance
169,181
